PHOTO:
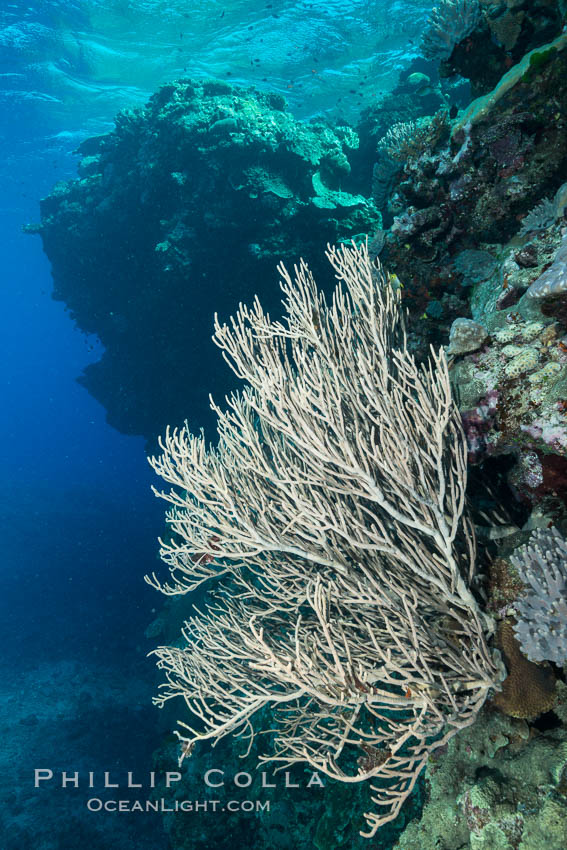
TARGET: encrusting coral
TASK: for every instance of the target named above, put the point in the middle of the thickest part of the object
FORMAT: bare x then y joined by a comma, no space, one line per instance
529,689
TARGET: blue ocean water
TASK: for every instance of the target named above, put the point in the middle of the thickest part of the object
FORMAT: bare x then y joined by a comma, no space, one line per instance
77,516
79,522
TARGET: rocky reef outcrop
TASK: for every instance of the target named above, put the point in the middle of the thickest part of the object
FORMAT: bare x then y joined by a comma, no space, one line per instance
183,210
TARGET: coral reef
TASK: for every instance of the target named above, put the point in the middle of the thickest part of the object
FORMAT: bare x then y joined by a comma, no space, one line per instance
521,365
500,784
473,198
504,32
506,150
471,238
194,198
481,256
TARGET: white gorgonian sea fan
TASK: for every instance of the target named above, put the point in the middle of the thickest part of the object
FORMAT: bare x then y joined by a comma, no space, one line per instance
330,518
